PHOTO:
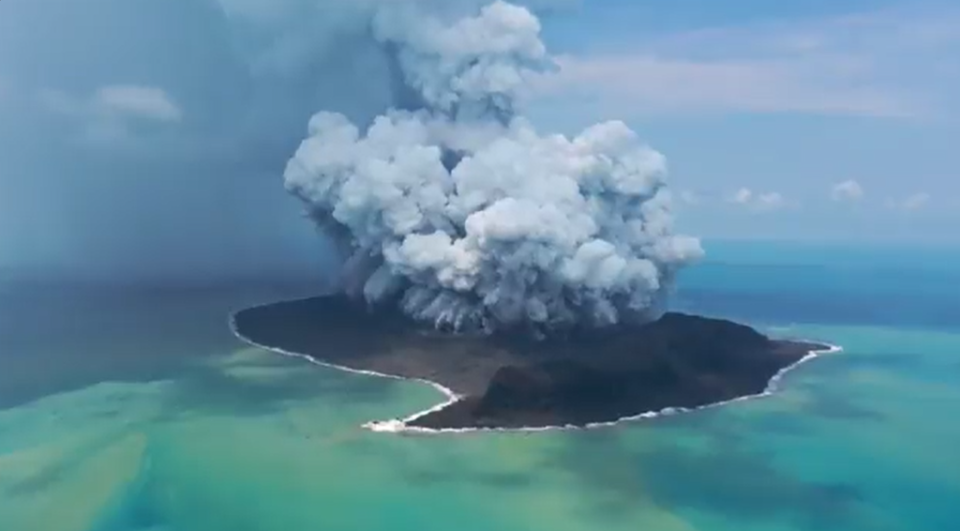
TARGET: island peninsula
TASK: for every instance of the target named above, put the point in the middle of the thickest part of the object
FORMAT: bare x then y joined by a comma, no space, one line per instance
580,378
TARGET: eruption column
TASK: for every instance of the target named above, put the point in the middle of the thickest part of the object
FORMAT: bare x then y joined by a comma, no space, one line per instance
463,214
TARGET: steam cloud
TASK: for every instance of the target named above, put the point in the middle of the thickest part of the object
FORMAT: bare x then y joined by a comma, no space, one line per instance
452,205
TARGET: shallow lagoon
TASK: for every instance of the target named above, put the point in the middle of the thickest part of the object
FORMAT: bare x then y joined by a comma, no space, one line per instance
142,412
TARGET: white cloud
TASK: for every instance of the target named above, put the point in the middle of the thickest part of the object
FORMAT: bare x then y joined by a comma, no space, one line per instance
770,201
115,101
149,103
654,84
847,191
113,112
742,196
759,201
881,64
690,197
910,203
916,201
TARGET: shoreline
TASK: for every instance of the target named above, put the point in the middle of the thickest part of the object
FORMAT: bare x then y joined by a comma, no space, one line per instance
402,425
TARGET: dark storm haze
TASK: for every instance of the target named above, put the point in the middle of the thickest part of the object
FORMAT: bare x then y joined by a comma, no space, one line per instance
170,170
96,194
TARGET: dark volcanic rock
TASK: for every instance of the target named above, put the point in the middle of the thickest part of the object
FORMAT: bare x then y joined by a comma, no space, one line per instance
515,381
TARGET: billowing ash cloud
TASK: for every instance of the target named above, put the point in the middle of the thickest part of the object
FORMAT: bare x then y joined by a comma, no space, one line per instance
455,207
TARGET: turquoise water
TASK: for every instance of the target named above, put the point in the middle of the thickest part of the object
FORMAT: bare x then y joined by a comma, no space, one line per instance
138,411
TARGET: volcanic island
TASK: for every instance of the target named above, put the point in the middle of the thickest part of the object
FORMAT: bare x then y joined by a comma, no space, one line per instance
510,381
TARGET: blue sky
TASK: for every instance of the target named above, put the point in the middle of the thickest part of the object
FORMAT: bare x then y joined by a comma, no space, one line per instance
801,120
152,135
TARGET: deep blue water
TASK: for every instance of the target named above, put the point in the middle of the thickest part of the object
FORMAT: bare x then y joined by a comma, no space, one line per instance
768,282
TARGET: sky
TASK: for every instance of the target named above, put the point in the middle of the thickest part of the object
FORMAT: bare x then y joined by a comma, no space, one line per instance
781,120
148,138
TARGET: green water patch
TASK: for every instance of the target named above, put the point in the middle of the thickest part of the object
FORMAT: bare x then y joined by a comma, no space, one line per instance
252,382
70,463
252,441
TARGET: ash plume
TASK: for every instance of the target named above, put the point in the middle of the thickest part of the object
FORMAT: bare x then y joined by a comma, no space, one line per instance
454,207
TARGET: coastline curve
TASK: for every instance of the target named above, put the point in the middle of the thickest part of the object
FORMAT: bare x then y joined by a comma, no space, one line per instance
404,425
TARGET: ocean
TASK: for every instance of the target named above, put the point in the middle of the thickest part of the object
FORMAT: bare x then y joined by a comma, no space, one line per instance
137,410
